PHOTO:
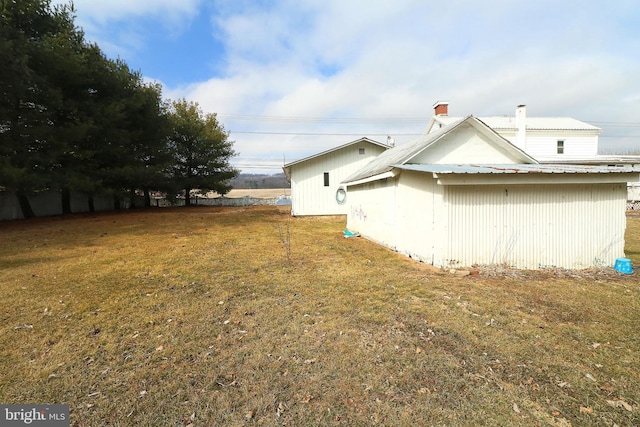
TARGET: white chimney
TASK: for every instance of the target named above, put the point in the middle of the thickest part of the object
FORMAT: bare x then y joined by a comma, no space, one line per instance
521,127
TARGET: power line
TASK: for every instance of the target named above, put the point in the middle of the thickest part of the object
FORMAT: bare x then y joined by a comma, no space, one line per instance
349,120
371,134
259,167
268,118
323,134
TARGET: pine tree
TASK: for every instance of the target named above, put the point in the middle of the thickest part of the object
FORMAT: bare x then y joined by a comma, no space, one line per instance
201,150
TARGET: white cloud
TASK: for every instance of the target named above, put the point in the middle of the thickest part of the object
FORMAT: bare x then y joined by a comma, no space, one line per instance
103,11
354,58
120,27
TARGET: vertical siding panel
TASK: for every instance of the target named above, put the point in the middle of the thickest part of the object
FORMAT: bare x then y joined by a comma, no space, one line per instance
568,226
310,196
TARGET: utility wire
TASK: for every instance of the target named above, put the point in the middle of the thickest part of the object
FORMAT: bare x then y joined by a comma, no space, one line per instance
348,120
265,118
322,134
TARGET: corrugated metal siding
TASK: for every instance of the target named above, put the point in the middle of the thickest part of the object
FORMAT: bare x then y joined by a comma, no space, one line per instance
527,226
308,193
419,202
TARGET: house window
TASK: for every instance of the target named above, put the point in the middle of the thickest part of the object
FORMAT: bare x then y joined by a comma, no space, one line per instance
326,179
360,150
560,147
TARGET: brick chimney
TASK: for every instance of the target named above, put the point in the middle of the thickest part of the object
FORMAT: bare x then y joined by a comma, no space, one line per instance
441,108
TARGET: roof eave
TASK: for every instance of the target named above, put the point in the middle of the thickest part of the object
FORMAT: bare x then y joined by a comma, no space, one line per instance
363,139
385,175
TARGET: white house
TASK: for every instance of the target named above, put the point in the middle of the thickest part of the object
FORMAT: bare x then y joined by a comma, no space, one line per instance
463,195
548,139
558,140
315,179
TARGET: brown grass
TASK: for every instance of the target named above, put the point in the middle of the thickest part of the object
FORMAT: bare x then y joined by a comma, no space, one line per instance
194,317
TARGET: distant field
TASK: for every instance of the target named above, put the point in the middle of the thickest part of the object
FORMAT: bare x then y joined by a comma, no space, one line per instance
210,316
259,193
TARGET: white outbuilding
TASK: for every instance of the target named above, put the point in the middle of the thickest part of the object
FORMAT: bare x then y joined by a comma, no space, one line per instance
463,195
316,179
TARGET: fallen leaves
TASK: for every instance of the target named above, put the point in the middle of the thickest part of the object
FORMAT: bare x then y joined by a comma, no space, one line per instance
306,399
619,403
188,421
252,413
20,327
607,388
280,409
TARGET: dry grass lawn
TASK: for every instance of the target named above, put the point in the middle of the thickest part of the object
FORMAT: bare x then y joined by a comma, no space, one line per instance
196,316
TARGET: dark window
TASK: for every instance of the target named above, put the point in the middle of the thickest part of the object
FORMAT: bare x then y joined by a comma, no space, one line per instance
560,147
360,150
326,179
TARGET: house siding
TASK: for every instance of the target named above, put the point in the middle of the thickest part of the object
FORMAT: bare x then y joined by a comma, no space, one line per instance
535,226
372,211
420,207
544,144
475,211
520,225
309,194
464,145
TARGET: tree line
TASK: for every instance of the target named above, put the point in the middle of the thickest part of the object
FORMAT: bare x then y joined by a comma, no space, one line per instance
73,120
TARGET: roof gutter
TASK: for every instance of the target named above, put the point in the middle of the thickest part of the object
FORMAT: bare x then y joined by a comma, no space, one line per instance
390,174
534,178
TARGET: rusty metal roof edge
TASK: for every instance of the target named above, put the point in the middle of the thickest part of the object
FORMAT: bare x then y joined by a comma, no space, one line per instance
516,168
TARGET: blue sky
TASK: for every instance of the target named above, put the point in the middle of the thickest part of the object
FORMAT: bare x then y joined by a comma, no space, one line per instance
289,79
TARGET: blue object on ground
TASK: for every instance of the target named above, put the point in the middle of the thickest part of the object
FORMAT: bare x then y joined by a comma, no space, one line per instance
348,233
623,265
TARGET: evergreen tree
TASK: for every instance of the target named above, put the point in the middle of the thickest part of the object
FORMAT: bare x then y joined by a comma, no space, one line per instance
75,121
30,35
201,150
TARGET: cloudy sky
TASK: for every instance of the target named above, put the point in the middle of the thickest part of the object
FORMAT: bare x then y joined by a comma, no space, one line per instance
292,78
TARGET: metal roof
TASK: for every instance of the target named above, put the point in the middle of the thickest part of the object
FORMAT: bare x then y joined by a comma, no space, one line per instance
401,154
517,169
287,168
532,123
598,159
357,141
